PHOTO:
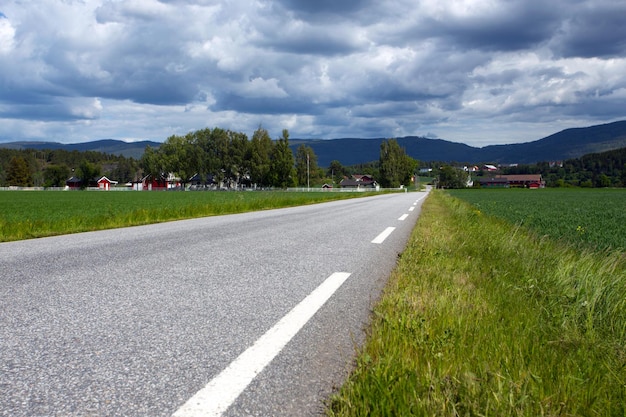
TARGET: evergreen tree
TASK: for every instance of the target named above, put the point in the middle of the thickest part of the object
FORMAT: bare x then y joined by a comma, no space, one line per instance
18,173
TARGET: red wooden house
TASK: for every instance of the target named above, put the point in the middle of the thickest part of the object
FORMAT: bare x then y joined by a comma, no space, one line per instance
105,184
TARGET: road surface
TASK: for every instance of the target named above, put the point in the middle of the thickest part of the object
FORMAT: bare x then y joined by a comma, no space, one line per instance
252,314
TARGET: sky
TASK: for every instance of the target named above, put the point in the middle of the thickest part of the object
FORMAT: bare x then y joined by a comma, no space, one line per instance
479,72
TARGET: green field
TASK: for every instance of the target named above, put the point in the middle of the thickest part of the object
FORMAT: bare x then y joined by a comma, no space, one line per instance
595,217
484,318
31,214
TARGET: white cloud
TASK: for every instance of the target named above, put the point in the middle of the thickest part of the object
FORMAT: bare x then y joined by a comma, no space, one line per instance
7,34
465,70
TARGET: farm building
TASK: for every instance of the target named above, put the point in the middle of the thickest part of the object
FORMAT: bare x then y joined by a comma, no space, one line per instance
525,181
519,181
105,184
73,183
359,182
154,183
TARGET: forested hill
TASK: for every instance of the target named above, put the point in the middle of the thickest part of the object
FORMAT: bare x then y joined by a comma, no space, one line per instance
110,146
567,144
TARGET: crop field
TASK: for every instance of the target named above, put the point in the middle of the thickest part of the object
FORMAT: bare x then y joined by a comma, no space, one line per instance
31,214
583,217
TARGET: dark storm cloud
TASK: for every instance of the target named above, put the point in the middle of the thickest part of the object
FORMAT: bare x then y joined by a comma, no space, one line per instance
325,7
503,26
594,32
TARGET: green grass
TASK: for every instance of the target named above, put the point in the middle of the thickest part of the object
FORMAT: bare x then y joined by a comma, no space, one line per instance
481,318
32,214
587,217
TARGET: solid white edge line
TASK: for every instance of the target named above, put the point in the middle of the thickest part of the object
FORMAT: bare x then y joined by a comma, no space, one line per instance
403,217
215,398
384,235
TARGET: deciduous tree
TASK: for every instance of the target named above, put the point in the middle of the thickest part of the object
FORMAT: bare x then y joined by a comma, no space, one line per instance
282,172
306,165
396,167
55,175
259,151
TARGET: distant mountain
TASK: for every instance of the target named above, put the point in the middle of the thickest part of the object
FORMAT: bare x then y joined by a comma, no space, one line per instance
352,151
567,144
112,146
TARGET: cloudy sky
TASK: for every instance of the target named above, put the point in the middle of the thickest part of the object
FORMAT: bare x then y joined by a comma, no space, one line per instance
474,71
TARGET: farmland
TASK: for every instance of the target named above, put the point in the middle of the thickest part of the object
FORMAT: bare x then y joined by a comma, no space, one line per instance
583,217
32,214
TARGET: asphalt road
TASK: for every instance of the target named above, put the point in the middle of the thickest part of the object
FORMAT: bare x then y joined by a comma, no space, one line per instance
211,316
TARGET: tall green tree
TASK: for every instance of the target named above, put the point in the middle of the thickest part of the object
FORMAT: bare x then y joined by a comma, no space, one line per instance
336,171
87,172
306,165
282,172
18,173
125,170
451,177
152,162
55,175
180,156
258,160
396,167
235,165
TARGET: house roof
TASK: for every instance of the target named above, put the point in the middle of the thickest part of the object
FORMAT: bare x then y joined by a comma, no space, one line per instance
496,180
349,182
105,179
523,178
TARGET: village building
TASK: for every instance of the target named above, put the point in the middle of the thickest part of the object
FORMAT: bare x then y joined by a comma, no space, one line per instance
105,184
531,181
359,182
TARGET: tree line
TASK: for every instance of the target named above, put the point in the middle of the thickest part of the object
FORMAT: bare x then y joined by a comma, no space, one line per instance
603,169
228,158
216,156
52,167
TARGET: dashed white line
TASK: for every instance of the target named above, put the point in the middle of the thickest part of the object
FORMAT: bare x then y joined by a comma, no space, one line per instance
384,235
403,217
215,398
411,208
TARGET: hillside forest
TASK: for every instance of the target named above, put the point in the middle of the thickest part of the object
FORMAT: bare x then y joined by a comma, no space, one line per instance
230,158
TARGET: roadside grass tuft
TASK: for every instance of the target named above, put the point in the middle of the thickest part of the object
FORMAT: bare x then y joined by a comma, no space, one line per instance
482,318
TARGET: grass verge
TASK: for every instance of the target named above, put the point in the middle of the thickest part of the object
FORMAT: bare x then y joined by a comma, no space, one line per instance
482,319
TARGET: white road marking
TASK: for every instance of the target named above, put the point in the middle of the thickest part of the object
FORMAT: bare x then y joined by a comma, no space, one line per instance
215,398
403,217
411,208
384,235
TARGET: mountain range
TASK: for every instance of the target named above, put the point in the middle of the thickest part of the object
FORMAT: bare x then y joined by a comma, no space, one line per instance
566,144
